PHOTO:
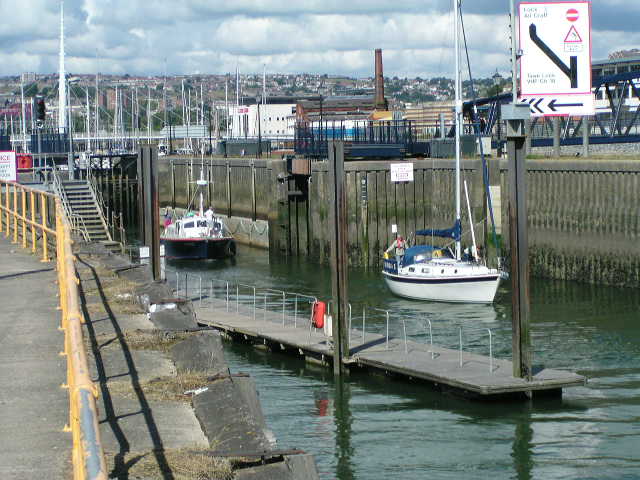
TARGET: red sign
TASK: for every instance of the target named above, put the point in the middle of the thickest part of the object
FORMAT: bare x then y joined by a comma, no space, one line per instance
572,15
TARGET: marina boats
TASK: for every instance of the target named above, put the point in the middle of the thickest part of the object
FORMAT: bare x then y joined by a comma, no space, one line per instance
428,272
198,234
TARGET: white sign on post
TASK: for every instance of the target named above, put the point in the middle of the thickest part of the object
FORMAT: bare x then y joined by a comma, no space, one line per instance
8,166
402,172
555,67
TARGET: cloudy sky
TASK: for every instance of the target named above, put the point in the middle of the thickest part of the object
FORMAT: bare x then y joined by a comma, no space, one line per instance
317,36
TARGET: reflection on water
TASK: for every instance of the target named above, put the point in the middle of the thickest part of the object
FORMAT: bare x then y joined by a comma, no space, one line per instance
372,427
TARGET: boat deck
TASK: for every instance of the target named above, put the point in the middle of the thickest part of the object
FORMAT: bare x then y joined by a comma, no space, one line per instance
465,373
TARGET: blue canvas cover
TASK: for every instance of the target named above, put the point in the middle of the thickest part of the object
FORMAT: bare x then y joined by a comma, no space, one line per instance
453,232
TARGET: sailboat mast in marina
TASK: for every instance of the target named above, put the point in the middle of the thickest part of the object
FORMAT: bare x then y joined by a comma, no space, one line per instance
436,273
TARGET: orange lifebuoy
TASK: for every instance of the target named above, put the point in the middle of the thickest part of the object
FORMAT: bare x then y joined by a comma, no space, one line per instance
319,309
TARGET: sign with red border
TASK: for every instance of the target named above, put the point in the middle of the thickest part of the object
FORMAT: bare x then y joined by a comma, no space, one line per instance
555,67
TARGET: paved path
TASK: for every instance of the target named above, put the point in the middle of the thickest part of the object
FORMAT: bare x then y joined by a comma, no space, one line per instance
33,407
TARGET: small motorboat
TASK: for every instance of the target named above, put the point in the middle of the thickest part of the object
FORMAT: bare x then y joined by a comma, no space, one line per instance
197,235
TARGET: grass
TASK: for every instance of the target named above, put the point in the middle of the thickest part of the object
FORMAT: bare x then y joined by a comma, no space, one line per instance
170,388
183,464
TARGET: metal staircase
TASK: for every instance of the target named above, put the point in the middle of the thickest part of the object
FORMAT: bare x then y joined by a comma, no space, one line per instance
81,206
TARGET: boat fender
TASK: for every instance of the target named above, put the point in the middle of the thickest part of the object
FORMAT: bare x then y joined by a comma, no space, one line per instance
317,315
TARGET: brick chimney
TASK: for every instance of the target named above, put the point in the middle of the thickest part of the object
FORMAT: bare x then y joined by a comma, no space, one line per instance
380,101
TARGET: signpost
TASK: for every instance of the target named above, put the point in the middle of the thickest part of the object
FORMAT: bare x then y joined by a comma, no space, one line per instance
8,170
555,67
402,172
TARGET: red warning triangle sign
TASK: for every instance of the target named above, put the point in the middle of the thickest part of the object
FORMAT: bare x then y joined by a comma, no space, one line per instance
573,36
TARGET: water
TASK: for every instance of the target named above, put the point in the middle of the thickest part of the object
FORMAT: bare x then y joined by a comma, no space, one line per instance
371,427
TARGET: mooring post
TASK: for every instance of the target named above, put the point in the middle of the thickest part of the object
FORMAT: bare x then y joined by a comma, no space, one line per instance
515,116
556,137
141,221
586,127
151,207
338,222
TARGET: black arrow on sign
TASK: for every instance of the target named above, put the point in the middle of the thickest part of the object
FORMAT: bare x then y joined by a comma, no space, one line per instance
553,104
571,71
535,105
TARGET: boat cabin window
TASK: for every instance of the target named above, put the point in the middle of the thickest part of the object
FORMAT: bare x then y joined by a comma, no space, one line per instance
188,225
202,223
411,269
442,271
426,270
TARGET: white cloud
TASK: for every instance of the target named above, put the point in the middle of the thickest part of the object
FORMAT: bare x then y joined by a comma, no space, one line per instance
325,36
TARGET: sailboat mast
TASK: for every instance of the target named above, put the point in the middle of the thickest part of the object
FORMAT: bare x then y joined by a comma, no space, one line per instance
458,115
62,83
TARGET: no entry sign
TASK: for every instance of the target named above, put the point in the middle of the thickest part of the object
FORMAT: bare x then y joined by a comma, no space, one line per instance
555,68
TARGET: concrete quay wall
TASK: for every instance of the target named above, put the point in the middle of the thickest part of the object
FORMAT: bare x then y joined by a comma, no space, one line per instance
169,400
583,213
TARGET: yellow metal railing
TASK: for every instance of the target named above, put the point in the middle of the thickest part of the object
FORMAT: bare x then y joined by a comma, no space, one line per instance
19,212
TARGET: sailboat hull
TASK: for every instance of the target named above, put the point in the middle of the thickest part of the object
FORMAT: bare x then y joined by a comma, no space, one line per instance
467,289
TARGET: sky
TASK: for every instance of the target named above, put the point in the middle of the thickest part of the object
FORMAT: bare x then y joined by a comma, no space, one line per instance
151,37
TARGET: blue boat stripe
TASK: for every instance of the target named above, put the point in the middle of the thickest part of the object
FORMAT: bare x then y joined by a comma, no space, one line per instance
428,281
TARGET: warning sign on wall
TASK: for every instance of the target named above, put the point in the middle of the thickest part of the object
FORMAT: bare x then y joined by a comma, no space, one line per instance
8,166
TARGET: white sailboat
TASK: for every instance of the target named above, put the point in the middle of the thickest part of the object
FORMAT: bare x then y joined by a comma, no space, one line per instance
431,273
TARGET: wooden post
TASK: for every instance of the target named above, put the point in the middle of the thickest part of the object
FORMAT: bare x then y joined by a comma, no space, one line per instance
521,340
585,135
141,222
338,222
173,185
228,189
253,189
151,208
556,137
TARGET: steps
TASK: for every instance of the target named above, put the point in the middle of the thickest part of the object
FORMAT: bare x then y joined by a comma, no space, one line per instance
82,204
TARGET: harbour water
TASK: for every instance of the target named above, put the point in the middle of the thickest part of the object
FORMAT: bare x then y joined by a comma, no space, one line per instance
373,427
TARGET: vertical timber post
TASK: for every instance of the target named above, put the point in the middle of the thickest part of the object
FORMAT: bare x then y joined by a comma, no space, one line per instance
151,208
515,115
338,225
586,127
155,213
556,137
141,224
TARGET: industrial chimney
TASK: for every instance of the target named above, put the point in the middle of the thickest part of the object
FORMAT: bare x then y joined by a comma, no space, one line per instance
380,101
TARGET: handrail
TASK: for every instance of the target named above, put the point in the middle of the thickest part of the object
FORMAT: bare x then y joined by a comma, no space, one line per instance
97,198
76,221
88,455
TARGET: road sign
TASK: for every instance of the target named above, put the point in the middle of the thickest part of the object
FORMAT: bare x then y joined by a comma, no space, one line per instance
555,67
402,172
8,166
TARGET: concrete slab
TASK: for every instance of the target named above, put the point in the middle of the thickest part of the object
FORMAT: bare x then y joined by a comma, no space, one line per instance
201,352
294,467
140,425
229,417
33,407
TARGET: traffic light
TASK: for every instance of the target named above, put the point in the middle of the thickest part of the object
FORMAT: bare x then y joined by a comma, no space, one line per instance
41,108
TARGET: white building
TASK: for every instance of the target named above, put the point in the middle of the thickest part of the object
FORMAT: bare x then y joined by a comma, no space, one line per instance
277,120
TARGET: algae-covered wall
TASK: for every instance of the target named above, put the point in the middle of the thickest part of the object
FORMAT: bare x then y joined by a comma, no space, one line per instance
584,220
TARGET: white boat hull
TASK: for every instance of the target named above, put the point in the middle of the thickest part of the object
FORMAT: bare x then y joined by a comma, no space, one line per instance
467,289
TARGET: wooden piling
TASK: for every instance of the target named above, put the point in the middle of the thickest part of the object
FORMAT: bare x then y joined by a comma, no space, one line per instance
521,339
338,223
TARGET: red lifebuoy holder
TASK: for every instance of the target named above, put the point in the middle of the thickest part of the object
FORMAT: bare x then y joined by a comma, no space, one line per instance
319,309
